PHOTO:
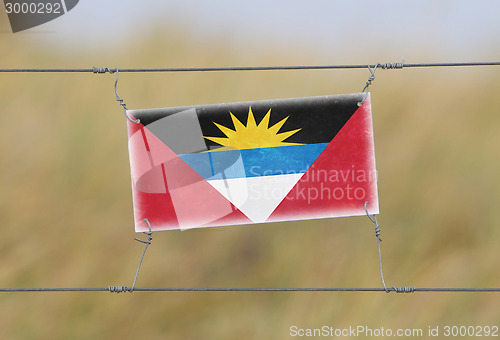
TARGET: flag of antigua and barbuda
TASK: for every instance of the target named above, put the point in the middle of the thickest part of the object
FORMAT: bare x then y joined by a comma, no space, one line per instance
253,162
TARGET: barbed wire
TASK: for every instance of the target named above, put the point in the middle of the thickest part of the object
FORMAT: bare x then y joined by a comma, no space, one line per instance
371,67
397,65
120,289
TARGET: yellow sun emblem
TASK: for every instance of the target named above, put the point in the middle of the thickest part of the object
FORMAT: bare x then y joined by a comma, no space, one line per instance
252,135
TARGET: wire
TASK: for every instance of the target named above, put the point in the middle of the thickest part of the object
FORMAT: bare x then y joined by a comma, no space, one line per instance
147,243
250,68
120,289
110,289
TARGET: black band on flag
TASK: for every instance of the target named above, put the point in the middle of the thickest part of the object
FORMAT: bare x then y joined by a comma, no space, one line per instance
318,118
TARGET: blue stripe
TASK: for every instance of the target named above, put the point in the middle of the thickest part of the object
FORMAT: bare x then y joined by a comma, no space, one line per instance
254,162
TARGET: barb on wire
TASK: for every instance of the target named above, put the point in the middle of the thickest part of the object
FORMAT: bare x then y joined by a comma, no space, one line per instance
392,66
103,70
117,289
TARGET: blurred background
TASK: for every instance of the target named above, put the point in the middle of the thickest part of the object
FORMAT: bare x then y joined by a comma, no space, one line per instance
65,199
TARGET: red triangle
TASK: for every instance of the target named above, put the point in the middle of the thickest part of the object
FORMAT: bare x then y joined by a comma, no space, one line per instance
341,179
168,192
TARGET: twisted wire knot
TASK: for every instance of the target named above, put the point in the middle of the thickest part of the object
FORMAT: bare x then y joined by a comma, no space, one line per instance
384,66
403,289
392,66
377,234
147,233
374,220
103,70
118,289
369,81
118,99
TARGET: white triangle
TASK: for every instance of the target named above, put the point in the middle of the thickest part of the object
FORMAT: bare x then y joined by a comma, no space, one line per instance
256,197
